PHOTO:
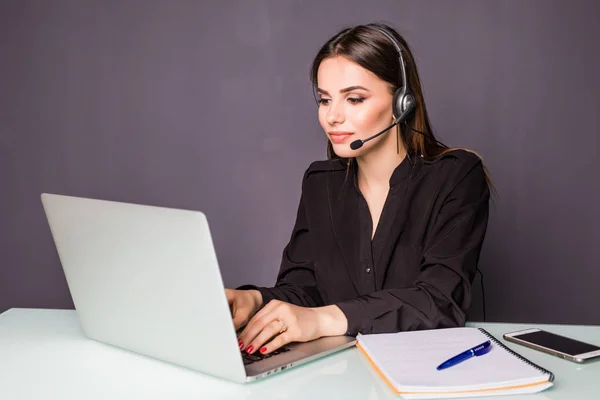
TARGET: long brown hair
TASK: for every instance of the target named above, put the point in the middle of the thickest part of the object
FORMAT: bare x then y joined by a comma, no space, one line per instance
368,47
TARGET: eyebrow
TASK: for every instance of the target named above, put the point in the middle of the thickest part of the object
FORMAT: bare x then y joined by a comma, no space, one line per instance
345,90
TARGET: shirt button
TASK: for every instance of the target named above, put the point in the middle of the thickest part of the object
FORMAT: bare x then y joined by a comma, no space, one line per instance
368,270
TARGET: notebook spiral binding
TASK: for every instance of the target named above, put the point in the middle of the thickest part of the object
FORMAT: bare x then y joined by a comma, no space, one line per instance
517,355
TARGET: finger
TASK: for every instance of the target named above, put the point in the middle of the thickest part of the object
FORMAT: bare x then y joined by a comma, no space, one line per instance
252,331
258,318
278,341
269,331
240,318
257,324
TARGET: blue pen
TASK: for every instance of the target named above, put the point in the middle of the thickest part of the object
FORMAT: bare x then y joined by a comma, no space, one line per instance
476,351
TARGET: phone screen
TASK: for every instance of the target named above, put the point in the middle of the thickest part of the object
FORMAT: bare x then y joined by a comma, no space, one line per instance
558,343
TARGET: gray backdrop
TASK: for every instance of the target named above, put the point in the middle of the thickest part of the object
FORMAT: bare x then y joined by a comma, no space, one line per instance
206,105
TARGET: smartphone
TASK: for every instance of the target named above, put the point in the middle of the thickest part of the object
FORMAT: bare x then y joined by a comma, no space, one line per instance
551,343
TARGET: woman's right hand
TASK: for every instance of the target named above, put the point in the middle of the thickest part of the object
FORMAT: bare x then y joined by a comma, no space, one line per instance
243,304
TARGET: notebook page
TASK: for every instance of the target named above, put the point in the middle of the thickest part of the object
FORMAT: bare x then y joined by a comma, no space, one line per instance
409,360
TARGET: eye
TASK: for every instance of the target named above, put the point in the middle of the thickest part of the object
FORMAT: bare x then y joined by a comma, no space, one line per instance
356,100
324,102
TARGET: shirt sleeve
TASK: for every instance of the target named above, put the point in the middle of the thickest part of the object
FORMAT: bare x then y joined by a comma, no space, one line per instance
296,278
441,294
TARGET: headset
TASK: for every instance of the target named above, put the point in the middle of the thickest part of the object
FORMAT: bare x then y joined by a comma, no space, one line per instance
403,102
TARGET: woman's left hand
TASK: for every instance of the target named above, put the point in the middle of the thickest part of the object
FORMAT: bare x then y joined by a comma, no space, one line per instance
280,323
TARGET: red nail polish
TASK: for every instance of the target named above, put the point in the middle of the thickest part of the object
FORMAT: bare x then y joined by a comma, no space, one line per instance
241,345
249,349
263,349
239,340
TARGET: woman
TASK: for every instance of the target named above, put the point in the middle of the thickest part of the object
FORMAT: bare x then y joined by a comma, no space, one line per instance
387,236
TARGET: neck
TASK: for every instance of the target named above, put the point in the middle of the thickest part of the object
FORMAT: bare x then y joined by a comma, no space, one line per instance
377,166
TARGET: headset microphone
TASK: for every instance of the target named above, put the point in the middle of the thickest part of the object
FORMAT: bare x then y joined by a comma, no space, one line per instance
403,103
357,144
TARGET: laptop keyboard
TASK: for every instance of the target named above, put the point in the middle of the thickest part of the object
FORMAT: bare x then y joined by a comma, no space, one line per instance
252,358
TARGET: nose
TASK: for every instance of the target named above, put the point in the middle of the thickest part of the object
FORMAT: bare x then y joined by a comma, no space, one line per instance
335,114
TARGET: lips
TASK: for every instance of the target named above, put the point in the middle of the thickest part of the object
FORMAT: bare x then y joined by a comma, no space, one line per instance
339,137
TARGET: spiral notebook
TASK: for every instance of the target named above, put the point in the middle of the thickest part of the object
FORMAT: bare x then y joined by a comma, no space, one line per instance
407,362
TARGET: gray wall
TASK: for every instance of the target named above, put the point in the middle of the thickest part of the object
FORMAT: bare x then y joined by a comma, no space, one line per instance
207,105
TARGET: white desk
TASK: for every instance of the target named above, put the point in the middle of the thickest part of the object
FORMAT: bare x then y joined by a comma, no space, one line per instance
44,355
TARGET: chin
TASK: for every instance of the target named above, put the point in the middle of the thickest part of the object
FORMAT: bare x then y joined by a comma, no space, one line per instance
343,150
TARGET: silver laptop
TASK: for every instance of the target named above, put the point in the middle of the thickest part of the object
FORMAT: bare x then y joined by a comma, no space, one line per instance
146,279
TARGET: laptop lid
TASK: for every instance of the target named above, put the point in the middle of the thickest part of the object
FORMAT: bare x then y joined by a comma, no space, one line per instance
146,279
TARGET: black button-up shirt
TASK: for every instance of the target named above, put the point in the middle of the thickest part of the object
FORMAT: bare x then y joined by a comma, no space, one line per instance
416,272
369,244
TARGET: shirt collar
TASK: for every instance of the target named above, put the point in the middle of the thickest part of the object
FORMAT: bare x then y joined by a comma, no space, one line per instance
399,175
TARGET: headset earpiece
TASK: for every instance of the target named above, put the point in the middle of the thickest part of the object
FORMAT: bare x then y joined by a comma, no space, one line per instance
403,99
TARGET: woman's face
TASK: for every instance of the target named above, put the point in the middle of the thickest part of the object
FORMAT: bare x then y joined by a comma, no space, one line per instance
353,104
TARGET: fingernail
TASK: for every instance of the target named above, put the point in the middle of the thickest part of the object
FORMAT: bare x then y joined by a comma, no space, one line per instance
241,345
249,349
263,349
239,340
